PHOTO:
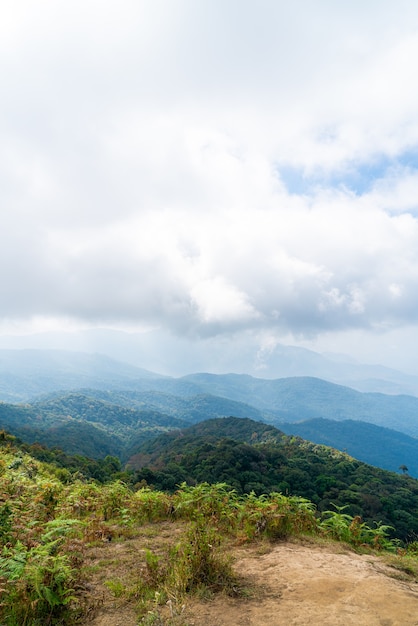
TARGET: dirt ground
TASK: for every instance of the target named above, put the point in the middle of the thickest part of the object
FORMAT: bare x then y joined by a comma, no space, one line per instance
291,583
309,585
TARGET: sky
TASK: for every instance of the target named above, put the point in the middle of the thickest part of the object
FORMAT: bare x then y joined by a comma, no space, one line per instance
219,172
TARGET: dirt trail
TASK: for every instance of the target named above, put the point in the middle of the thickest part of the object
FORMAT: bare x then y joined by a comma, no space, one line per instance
294,585
309,585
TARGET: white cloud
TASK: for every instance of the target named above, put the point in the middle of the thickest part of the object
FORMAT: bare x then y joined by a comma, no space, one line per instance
147,155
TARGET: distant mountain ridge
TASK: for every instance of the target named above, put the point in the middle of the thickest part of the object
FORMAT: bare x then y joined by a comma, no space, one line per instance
93,405
158,352
290,361
25,374
301,398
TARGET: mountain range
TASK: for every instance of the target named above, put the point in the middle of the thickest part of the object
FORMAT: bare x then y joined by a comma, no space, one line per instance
159,352
93,405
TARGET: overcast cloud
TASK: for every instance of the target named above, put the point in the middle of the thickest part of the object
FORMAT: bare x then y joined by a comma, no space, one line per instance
210,167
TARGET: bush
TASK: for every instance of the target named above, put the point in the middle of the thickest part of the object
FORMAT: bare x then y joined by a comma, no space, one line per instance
198,565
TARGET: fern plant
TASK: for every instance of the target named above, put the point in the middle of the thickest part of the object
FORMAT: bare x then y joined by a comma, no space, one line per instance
38,582
353,530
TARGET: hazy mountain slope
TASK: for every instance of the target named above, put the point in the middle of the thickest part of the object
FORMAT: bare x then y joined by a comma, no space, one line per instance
160,352
382,447
297,399
25,373
290,361
28,373
194,408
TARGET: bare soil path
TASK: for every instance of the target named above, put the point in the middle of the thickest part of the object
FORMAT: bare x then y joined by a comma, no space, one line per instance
314,586
293,584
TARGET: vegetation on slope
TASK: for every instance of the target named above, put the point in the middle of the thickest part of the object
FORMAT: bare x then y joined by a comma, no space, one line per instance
302,398
382,447
108,421
82,424
255,457
248,456
47,525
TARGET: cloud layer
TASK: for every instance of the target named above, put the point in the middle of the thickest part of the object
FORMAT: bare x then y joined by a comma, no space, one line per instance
210,167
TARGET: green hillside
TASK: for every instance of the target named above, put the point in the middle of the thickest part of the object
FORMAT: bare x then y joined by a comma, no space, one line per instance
59,513
81,424
99,422
250,456
382,447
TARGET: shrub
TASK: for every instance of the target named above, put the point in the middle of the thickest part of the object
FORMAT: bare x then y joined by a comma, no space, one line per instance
217,503
150,506
198,565
276,516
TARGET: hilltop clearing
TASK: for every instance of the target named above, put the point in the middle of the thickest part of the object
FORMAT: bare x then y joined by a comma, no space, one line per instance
74,551
302,585
292,583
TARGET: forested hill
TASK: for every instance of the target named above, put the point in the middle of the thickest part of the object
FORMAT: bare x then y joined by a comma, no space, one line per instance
82,424
255,457
250,456
100,422
383,447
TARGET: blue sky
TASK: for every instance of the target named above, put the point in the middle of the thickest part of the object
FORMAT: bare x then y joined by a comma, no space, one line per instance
356,177
243,173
